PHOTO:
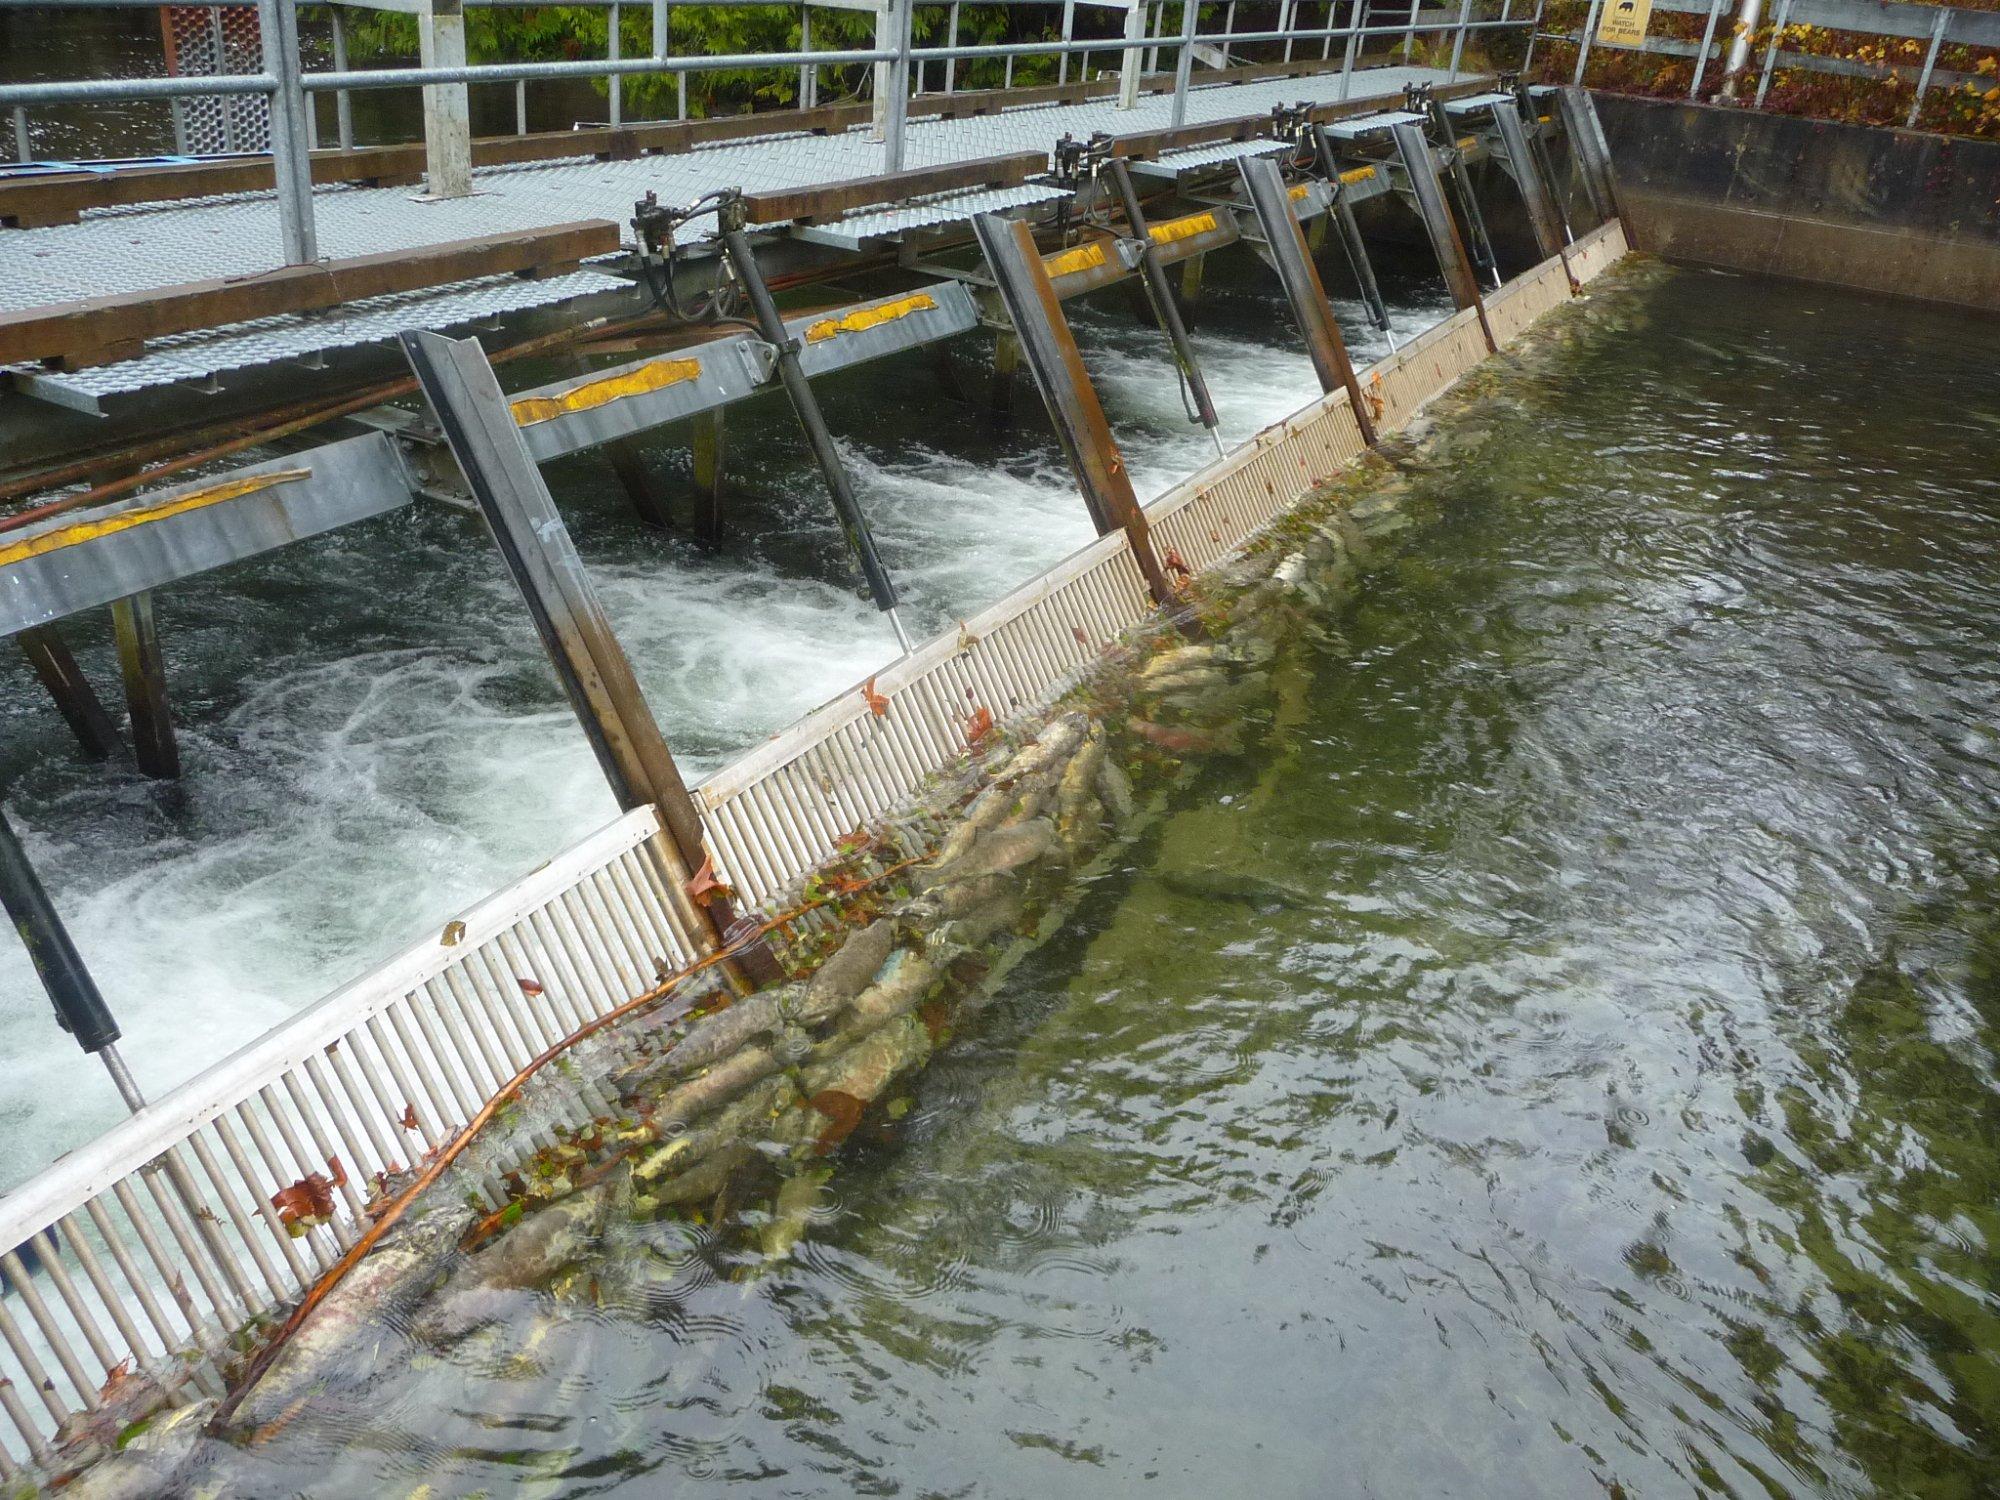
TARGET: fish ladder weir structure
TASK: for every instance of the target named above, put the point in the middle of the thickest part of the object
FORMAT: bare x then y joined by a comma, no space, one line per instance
157,1248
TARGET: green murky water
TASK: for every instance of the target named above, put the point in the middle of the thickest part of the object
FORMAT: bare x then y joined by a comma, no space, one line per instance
1555,1058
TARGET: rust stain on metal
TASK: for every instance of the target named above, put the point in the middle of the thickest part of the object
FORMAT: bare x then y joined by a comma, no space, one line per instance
863,318
654,375
80,532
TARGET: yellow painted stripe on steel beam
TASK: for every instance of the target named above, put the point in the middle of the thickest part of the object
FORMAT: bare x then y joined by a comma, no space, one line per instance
654,375
869,317
1300,191
1182,229
1467,142
1358,174
1069,262
79,532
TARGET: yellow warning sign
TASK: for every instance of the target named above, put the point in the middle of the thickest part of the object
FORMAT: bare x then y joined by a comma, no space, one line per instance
1624,23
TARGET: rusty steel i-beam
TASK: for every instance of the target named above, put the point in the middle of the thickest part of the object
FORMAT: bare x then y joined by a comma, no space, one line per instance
1052,357
1427,193
538,552
1272,204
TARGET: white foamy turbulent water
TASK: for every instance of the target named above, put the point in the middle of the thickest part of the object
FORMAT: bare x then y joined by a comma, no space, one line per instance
372,740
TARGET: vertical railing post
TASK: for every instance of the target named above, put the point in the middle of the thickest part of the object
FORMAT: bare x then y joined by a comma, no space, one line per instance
1747,15
1707,39
596,675
24,144
895,122
1939,25
1068,36
1057,366
1458,42
612,45
447,106
1534,34
808,74
291,157
1357,23
1184,64
1583,43
1286,11
1771,53
1129,59
951,40
343,101
1271,202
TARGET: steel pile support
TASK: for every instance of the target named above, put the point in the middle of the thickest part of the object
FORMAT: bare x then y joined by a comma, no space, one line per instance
1521,163
764,311
1053,358
538,552
1161,294
1272,204
1420,167
1589,151
56,668
145,676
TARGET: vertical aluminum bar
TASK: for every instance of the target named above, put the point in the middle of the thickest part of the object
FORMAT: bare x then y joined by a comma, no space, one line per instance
343,100
1183,64
306,1160
1707,38
1264,183
612,44
660,31
1747,15
17,1276
1939,25
170,1273
333,1151
1534,32
79,1310
951,40
265,1210
1068,36
114,1302
24,146
1287,13
1130,58
807,72
38,1378
291,157
1771,52
1583,46
251,1241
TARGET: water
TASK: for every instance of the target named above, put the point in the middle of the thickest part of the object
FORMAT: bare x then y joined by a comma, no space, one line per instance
1592,1093
372,740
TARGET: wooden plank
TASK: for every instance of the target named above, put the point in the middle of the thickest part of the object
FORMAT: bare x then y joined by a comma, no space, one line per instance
833,199
71,332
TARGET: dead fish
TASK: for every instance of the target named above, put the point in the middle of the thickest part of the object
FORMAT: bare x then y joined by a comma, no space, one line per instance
905,979
791,1212
1114,790
1001,851
847,973
529,1252
341,1341
1053,744
716,1036
731,1124
145,1466
863,1070
699,1182
714,1088
1216,884
1173,663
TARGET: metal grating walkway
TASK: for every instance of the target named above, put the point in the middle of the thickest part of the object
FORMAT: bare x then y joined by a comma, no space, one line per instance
135,249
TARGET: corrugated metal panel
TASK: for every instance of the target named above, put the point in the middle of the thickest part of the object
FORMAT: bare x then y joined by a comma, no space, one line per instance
1173,164
266,341
855,230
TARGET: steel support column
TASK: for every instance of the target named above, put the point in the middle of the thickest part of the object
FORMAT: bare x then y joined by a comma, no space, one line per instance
291,148
1589,151
1161,294
447,106
764,311
1420,168
1272,204
1528,178
1483,255
536,547
74,697
1053,358
145,676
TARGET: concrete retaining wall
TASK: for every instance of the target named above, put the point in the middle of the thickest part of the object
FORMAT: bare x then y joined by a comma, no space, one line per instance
1899,212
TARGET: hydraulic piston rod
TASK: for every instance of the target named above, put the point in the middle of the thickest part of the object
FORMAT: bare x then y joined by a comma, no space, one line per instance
764,310
1350,235
1161,295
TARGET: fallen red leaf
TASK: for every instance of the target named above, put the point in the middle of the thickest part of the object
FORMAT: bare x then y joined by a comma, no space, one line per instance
1173,562
310,1199
843,1112
702,886
115,1377
1081,639
530,987
878,705
409,1120
978,724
